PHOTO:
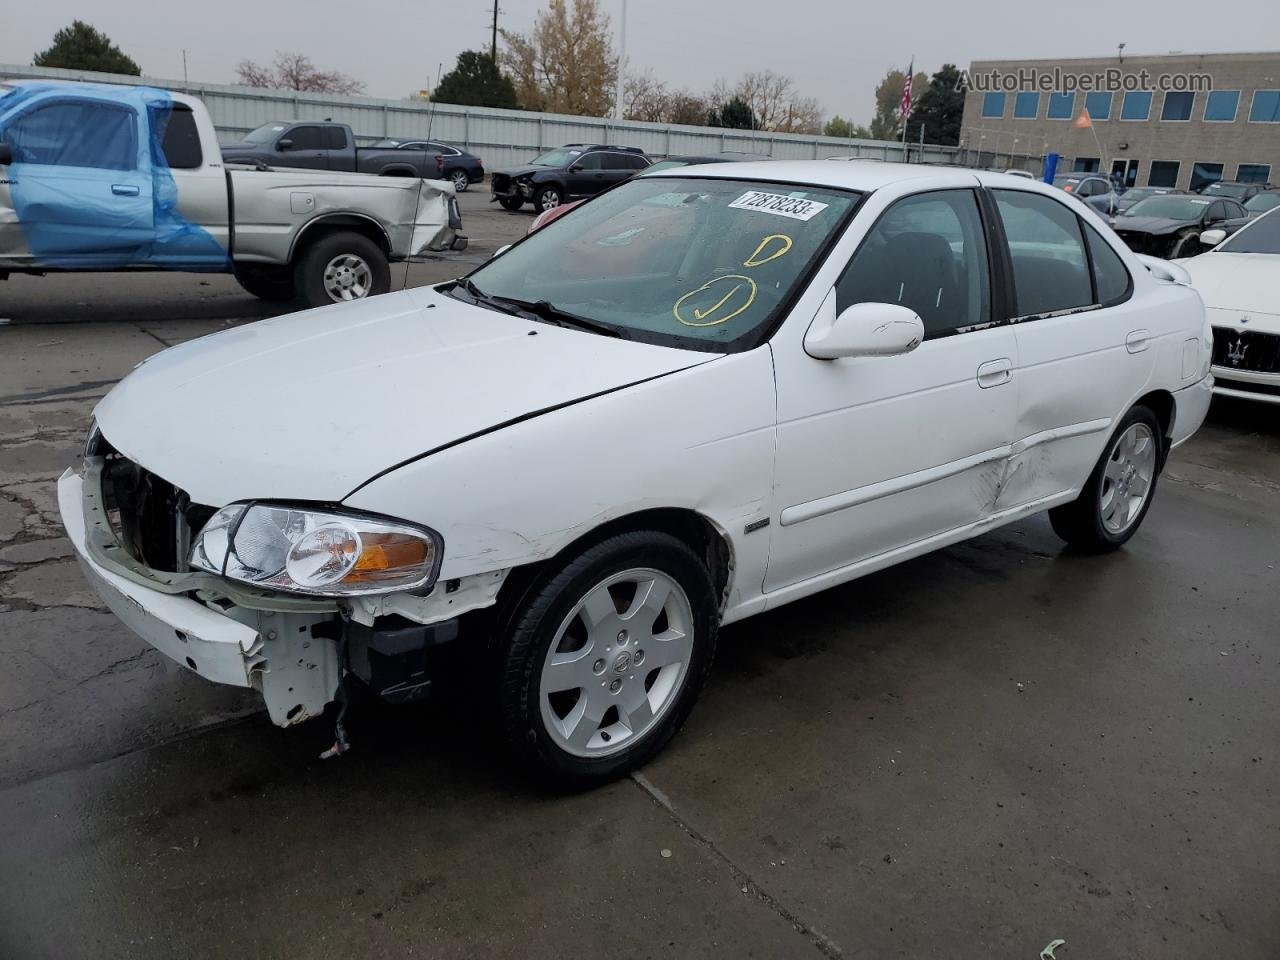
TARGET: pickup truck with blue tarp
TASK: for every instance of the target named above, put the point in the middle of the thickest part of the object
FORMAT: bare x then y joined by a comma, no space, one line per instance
99,177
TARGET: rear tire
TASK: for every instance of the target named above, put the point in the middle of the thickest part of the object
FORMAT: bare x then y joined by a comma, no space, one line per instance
622,636
1119,491
273,284
339,267
511,203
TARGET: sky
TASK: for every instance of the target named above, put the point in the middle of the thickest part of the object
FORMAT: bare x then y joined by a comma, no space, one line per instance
835,51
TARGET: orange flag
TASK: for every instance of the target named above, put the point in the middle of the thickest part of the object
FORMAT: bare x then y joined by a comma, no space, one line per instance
1084,120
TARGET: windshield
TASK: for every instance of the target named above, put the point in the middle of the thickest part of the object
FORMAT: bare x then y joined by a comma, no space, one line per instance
1169,208
266,133
703,264
1134,194
1236,190
1261,236
557,158
1263,202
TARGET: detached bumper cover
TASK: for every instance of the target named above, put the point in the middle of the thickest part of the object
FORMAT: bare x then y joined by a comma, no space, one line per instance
216,647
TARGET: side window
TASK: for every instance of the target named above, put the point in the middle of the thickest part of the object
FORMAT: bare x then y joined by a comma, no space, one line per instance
1235,210
1217,211
76,133
1110,275
1050,270
335,138
306,138
180,140
927,252
589,161
444,148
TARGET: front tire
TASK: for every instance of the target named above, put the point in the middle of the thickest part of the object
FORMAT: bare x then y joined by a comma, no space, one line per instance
1187,245
605,656
547,198
461,180
511,203
1118,493
340,267
273,284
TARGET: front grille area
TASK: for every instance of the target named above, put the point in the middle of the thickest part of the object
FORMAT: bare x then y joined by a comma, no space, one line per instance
152,518
1246,350
501,183
1144,243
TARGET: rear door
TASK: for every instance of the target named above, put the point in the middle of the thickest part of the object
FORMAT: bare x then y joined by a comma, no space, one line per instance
1084,351
80,184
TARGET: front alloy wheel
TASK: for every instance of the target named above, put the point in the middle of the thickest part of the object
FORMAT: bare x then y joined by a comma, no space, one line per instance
604,654
547,198
460,180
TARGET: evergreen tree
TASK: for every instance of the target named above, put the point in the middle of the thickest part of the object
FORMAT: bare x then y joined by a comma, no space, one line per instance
81,47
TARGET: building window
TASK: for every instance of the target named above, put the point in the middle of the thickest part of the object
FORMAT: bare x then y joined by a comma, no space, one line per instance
1266,107
1085,165
1221,106
1061,106
1136,106
1177,106
1098,105
1203,174
1253,172
993,105
1026,106
1164,173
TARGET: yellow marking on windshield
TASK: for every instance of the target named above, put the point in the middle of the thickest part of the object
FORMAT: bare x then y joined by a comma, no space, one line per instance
752,260
740,296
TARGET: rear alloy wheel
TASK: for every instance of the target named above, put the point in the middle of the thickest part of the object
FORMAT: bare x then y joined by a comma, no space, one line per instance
460,180
341,267
546,198
606,656
1118,493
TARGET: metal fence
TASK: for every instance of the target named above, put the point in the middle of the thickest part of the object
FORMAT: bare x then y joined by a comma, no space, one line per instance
501,137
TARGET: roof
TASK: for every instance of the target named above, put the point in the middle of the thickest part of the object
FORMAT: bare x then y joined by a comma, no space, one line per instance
855,175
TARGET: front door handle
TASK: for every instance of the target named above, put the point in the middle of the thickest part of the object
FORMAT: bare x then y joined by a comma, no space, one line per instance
1137,340
124,190
995,372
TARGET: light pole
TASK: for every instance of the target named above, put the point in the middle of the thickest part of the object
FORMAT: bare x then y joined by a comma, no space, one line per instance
622,65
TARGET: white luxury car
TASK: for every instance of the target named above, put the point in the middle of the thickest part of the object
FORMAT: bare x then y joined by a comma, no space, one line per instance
1239,280
704,394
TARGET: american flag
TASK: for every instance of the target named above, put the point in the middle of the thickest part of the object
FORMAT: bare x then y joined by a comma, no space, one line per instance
905,109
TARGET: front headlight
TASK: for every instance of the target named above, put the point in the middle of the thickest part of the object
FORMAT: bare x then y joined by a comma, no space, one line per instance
318,552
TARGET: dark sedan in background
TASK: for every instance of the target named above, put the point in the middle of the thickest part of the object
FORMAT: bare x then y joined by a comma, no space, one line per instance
1240,190
459,167
1170,226
1134,194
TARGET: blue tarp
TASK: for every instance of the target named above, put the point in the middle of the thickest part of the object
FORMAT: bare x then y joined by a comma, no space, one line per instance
90,182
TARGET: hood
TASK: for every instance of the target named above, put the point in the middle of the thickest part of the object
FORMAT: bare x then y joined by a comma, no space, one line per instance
311,405
524,170
1244,282
1152,225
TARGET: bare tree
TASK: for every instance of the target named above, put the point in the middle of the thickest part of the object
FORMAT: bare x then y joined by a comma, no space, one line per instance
645,97
295,71
774,102
686,108
566,65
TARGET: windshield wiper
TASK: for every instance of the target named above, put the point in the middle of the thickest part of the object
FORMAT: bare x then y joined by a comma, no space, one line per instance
483,299
548,311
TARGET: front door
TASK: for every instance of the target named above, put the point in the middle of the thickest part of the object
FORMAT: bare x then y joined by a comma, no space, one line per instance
879,453
305,146
79,185
587,175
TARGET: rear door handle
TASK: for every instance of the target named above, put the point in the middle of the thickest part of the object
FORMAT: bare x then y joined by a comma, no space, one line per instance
124,190
1137,340
995,372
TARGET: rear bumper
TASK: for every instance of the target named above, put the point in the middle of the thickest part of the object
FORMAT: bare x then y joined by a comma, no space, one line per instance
1190,407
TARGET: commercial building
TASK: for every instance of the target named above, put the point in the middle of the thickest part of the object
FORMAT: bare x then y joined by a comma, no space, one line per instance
1176,121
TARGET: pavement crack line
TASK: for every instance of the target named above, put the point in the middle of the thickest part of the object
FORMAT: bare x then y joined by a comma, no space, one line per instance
821,942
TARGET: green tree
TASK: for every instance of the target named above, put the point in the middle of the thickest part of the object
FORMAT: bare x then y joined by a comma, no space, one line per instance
887,123
838,126
81,47
940,109
734,114
476,81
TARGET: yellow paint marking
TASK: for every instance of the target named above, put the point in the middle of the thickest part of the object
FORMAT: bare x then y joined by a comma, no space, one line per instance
724,310
751,261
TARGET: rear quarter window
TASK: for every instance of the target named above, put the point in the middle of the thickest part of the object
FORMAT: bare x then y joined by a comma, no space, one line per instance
179,138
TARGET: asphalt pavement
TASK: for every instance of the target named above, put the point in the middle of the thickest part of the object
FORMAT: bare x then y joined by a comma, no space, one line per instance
971,754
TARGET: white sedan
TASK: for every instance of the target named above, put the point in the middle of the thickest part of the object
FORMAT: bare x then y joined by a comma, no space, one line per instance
1240,282
706,393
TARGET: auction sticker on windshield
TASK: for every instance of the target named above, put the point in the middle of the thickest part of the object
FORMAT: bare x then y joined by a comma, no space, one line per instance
797,208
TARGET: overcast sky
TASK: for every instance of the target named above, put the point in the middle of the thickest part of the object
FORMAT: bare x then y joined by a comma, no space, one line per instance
835,50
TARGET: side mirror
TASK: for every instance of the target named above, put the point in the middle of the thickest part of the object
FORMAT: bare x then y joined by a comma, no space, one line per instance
284,144
575,169
863,330
6,154
1211,238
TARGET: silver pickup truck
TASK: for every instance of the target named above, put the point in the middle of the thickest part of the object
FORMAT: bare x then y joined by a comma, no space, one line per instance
97,177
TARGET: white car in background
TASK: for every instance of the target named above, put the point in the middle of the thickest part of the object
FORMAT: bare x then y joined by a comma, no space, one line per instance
710,392
1239,280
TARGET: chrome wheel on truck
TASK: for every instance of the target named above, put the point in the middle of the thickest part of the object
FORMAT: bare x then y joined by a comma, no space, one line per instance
347,277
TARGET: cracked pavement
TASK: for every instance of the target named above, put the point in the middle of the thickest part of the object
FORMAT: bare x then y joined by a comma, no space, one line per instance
969,755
